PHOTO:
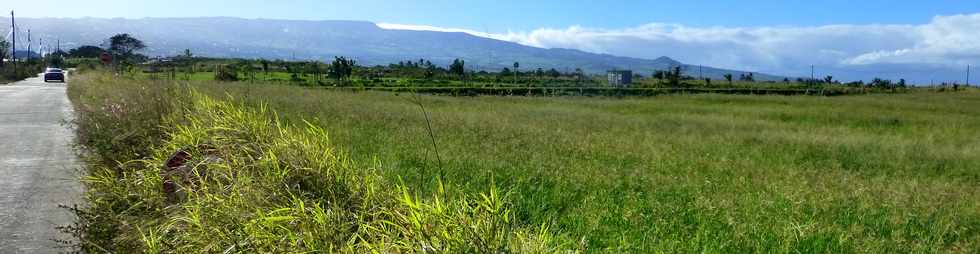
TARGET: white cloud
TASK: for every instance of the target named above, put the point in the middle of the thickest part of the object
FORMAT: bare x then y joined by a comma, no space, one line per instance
442,29
946,40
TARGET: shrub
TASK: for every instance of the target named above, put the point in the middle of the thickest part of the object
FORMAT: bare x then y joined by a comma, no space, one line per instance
225,73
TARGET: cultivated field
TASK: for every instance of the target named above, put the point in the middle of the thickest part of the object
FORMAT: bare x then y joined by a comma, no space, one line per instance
680,173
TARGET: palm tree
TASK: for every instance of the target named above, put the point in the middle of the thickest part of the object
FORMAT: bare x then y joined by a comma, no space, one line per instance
516,71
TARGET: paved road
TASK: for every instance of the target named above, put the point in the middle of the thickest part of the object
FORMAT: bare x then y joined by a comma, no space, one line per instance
37,166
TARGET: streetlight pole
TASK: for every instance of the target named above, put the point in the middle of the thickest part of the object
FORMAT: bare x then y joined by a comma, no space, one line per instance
13,52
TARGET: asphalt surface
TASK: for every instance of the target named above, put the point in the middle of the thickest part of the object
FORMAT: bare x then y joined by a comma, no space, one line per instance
37,166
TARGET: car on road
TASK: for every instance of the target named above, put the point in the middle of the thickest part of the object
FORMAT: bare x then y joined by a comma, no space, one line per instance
54,74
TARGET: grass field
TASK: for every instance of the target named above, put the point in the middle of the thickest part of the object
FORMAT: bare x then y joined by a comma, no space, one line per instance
680,173
704,172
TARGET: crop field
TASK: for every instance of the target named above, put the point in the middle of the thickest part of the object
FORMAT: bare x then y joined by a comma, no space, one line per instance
708,173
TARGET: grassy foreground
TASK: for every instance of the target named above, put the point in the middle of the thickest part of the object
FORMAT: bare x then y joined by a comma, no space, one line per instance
684,173
206,176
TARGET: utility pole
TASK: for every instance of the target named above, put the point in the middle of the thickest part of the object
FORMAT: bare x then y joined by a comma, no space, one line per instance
813,78
968,75
13,52
29,52
700,73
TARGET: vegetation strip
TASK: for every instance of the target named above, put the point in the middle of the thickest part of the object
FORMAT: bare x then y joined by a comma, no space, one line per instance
702,173
220,177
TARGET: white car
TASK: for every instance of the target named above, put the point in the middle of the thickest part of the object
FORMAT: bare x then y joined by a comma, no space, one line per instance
54,74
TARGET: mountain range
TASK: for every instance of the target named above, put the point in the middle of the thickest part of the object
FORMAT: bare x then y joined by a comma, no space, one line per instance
368,43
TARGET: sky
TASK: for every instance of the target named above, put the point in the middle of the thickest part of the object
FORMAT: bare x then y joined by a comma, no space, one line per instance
775,36
500,16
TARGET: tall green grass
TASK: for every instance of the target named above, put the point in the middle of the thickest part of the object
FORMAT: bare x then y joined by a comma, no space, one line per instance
256,184
681,173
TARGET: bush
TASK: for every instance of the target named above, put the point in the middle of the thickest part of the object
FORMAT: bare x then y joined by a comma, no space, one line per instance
225,73
24,70
86,65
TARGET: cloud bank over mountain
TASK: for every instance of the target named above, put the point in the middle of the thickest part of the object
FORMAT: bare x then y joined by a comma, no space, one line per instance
934,51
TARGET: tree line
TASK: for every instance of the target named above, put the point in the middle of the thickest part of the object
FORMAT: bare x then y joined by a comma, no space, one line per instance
126,50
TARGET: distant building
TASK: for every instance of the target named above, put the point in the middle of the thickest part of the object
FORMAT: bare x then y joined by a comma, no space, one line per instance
620,78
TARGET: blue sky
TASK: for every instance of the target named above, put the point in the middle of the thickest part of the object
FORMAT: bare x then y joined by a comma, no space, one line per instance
522,15
856,39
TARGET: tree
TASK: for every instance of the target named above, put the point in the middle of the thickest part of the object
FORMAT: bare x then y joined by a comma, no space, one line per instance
829,79
59,53
728,77
57,59
750,77
187,54
553,73
786,80
674,76
86,51
458,68
517,71
859,83
265,66
881,83
505,72
4,48
225,73
245,66
342,68
659,75
125,47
